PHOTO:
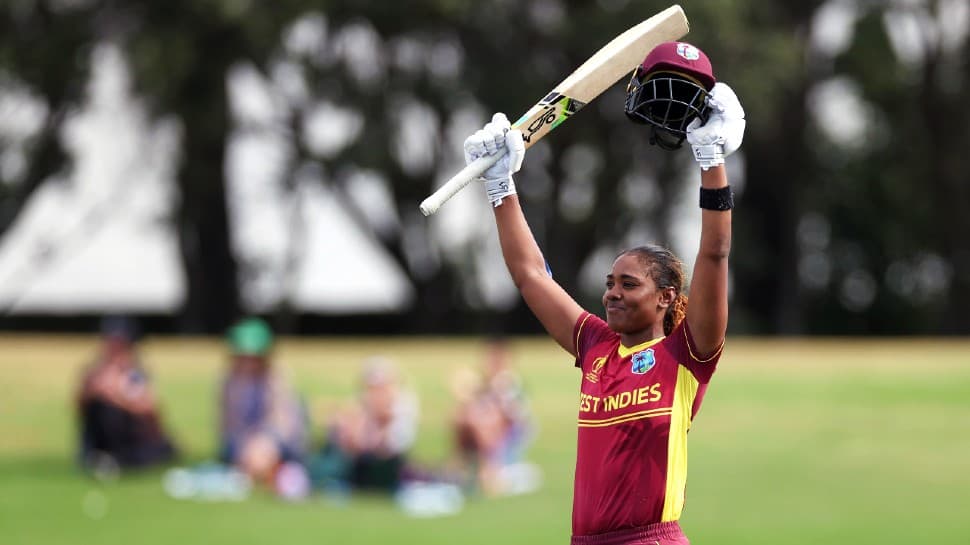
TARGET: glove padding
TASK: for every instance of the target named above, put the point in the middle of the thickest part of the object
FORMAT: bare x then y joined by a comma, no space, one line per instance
496,137
722,134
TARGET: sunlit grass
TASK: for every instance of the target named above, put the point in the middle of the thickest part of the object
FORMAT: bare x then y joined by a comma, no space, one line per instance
831,441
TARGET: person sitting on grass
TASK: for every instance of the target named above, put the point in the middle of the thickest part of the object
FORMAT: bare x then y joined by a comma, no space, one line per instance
492,424
263,421
368,442
118,411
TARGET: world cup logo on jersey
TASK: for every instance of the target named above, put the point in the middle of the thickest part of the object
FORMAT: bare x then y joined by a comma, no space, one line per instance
643,361
597,368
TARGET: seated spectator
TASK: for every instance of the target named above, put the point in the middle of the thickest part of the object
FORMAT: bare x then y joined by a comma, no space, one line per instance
263,421
492,423
120,424
368,443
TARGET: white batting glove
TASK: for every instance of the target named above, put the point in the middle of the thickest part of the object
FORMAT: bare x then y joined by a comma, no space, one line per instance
496,137
722,134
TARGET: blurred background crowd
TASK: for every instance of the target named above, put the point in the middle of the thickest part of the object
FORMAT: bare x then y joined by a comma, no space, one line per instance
267,436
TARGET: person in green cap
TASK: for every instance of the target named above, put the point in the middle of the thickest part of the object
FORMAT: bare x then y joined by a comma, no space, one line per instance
263,420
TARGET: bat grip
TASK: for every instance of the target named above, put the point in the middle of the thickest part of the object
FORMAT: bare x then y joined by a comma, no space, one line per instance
471,171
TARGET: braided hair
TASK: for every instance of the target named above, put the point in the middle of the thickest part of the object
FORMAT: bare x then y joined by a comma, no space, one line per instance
666,271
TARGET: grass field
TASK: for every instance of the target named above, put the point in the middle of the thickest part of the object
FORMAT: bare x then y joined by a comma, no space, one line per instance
799,442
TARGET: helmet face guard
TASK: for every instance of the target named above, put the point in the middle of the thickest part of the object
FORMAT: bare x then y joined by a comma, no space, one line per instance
667,101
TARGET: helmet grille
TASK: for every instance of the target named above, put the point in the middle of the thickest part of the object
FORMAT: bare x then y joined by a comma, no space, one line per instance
668,102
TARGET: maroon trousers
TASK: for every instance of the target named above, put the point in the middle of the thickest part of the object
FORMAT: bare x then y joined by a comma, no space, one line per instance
662,533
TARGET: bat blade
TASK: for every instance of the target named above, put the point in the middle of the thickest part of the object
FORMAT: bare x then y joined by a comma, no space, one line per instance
598,73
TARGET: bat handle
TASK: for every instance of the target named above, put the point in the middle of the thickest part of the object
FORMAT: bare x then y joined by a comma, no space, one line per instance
471,171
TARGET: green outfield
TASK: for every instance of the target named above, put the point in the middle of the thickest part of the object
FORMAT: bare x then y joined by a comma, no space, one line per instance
807,442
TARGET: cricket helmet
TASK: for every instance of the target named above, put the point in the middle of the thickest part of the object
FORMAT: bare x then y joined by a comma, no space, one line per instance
668,90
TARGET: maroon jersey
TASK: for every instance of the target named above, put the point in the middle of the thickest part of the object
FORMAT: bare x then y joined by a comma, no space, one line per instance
636,405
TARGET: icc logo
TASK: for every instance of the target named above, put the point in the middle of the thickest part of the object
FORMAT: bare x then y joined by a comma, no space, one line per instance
594,374
643,361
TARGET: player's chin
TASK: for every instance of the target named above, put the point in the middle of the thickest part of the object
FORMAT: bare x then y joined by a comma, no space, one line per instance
616,322
621,322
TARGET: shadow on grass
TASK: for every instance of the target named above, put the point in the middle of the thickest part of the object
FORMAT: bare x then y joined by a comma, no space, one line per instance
51,467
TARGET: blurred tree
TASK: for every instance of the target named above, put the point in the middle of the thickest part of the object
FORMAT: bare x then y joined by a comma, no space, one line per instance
40,53
880,236
179,53
853,197
761,49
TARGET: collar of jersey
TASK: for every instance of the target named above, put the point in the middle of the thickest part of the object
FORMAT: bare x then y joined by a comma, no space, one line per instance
624,351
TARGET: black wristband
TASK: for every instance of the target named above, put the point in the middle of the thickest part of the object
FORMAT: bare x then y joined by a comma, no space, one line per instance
717,199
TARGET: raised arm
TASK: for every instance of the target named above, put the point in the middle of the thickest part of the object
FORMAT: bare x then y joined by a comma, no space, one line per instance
554,308
707,310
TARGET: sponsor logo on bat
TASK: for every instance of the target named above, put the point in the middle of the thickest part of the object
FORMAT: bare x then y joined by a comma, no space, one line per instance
554,109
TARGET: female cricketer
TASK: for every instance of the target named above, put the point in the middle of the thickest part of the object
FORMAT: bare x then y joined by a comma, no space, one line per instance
644,370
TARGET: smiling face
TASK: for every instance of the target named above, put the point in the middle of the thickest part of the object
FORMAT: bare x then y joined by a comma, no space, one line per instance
635,307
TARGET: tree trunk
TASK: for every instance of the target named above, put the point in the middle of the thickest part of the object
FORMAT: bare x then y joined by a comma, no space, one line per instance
212,300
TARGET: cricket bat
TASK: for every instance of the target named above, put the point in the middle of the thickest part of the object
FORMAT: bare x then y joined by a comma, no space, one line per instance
604,68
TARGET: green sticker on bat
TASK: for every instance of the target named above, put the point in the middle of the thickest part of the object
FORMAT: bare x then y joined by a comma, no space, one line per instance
553,110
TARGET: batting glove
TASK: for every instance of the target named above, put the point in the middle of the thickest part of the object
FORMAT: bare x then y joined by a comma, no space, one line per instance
497,137
722,134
